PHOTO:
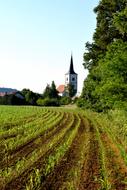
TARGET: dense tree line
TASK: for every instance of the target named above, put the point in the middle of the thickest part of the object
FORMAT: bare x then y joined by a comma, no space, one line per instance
49,97
106,59
12,99
27,97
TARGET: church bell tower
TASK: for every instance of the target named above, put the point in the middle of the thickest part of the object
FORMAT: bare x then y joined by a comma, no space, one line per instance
71,77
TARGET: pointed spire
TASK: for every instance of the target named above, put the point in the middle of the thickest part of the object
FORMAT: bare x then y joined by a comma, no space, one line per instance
71,70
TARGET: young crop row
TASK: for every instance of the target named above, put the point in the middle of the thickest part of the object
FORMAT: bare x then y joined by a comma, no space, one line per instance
12,117
67,172
9,127
57,148
28,131
59,163
35,129
62,149
23,164
113,165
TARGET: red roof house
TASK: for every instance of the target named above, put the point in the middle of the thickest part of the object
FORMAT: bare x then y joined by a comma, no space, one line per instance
61,89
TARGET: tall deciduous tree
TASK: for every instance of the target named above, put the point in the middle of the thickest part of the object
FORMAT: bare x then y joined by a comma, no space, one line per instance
30,96
105,32
120,21
106,59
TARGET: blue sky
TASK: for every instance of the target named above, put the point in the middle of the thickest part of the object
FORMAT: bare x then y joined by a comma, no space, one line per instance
37,38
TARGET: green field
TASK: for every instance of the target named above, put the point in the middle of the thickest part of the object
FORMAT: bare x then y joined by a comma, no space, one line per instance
60,148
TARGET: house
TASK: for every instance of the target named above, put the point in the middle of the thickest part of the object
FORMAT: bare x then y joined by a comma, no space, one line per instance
7,91
61,89
10,91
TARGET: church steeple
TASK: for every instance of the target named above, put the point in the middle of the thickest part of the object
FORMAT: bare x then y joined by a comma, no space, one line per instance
71,69
71,77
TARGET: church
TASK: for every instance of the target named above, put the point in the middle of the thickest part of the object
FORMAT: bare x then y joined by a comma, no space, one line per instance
71,79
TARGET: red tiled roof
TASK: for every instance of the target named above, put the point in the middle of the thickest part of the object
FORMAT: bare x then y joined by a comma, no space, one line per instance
2,94
61,88
7,93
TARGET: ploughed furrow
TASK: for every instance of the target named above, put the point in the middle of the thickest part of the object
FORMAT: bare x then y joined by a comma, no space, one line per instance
91,170
116,168
26,150
67,173
19,181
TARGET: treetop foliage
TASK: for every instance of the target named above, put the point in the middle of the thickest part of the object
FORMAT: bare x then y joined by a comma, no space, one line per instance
50,91
109,28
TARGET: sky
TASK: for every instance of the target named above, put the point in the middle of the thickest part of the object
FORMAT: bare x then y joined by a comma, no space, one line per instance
37,38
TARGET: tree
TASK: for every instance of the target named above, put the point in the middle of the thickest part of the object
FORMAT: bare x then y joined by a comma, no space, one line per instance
30,96
70,90
50,91
106,85
50,96
54,92
106,32
120,22
47,91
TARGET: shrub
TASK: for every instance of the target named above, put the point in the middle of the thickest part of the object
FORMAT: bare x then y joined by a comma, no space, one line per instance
48,102
65,100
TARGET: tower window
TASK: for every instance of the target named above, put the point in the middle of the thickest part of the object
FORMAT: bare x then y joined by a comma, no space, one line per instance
73,79
67,78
